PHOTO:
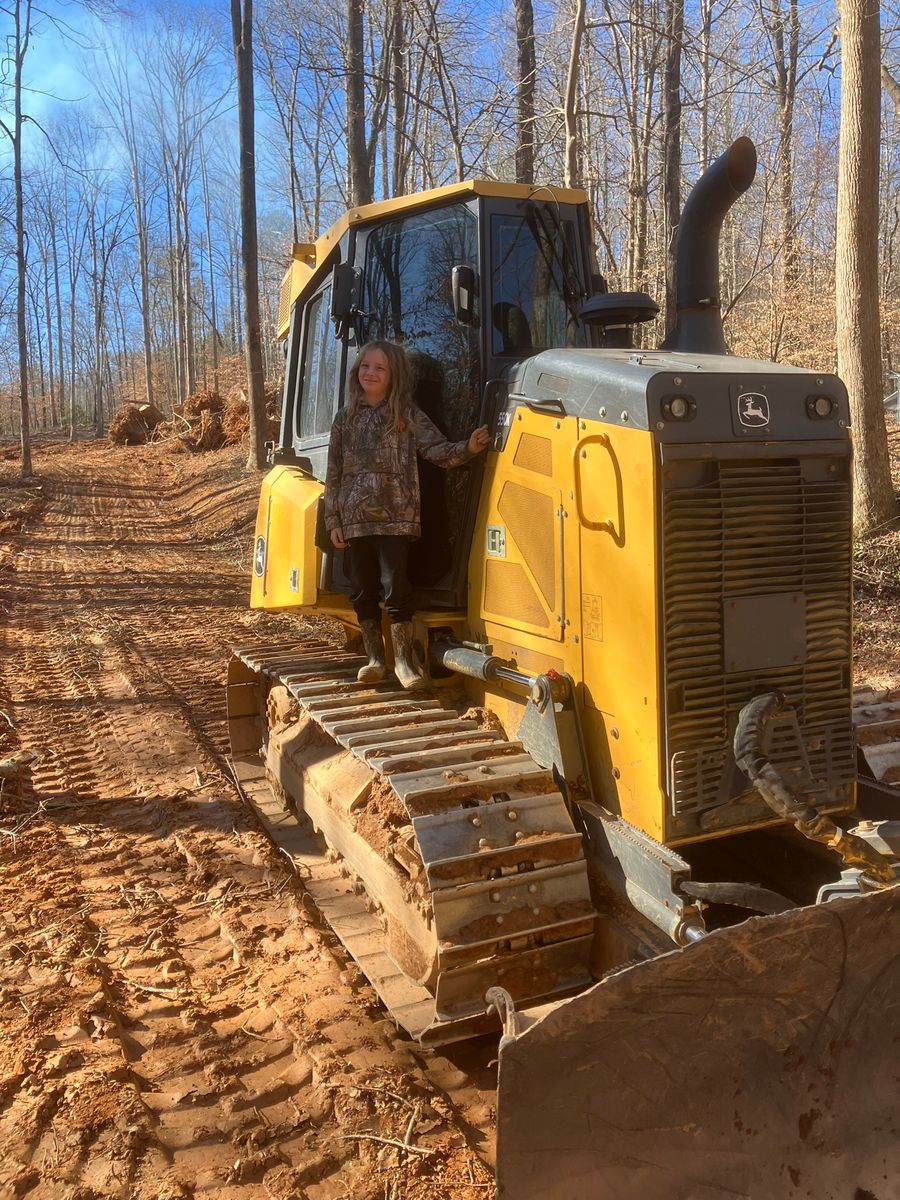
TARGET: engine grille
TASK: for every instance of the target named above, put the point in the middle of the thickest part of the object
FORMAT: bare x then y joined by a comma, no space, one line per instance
756,536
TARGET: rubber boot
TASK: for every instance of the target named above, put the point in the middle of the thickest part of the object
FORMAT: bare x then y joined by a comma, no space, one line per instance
373,644
404,665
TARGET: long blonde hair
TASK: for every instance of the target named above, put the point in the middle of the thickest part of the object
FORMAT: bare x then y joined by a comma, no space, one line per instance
398,393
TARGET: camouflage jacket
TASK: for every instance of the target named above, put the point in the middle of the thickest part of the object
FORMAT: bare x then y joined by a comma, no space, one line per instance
372,482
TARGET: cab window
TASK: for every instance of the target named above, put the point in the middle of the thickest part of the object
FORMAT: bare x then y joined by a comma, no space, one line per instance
319,369
407,297
534,285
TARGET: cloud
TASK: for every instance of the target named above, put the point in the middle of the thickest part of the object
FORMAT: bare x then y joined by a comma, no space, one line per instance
53,74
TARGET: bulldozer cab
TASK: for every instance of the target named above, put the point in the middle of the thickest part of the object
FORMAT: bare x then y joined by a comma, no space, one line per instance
469,279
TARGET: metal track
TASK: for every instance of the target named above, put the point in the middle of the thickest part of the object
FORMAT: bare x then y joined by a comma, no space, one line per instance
502,868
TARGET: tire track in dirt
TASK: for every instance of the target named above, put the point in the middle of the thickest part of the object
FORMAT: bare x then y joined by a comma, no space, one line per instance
175,1021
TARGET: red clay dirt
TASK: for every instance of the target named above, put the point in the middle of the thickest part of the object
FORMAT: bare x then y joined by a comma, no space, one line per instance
175,1020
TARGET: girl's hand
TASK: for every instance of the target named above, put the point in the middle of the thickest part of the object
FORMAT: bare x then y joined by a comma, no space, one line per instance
479,440
337,539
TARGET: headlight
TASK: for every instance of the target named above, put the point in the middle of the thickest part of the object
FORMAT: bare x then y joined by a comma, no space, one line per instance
678,408
820,407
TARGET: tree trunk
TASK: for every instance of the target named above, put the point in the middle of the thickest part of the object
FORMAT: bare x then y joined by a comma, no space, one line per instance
21,38
856,276
786,52
705,39
213,313
398,99
572,175
525,84
242,31
358,165
61,353
38,342
45,263
190,355
672,147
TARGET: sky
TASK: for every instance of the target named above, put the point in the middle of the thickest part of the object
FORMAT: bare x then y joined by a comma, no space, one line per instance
57,61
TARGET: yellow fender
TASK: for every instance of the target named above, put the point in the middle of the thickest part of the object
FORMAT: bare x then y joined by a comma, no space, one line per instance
286,562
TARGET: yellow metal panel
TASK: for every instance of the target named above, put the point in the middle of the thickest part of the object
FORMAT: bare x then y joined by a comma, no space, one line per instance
517,560
529,518
508,592
535,454
614,494
603,627
288,558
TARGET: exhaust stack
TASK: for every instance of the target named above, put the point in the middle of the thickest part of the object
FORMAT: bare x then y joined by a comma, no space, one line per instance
698,325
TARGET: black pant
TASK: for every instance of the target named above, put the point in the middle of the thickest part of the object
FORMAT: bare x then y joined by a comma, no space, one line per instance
378,566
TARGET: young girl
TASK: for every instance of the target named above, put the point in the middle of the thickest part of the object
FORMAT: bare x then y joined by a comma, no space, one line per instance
372,496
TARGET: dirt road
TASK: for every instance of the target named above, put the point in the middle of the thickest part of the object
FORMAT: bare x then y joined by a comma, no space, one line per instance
174,1020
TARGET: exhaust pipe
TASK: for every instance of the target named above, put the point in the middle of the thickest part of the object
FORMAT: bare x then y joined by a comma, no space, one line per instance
698,325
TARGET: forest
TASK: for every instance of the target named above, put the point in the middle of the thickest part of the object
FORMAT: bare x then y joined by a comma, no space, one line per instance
130,199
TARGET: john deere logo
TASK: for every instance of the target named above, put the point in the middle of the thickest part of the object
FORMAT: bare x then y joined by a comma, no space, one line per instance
753,409
259,556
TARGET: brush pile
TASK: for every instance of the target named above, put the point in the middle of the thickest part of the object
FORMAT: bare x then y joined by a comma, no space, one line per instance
206,421
133,424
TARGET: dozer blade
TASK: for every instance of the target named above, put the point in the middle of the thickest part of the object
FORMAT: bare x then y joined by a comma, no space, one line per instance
760,1063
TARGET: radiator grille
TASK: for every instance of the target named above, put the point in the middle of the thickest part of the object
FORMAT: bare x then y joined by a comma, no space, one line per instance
732,531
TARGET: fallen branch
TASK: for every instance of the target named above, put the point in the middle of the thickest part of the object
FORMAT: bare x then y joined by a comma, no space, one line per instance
413,1121
262,1037
373,1137
155,991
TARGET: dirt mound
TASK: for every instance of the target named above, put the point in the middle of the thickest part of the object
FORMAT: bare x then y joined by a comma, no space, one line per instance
133,424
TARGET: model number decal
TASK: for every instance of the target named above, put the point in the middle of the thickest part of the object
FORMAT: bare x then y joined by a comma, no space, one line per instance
495,541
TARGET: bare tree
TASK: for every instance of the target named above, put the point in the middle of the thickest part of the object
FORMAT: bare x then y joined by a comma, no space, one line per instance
525,86
359,166
572,174
21,15
672,147
858,327
116,94
242,34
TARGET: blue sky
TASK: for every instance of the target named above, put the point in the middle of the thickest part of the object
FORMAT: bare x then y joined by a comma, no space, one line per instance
63,33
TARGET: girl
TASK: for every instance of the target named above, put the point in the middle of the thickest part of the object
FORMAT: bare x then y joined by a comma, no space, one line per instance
372,496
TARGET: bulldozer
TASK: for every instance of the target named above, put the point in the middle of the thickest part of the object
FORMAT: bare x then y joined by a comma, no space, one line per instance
627,827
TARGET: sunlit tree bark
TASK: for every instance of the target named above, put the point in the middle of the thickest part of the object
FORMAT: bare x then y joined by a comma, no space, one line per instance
858,326
242,33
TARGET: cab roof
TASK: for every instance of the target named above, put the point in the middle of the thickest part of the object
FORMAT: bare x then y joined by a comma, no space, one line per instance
307,257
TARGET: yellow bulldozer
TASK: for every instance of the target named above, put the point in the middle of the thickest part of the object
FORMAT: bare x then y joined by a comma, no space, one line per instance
624,828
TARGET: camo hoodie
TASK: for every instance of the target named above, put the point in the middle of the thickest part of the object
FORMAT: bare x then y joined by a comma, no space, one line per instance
372,481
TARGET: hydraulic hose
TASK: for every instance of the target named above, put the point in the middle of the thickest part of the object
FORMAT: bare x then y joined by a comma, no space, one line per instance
748,752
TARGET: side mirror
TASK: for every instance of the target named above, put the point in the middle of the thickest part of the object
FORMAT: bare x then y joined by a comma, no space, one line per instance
463,284
345,282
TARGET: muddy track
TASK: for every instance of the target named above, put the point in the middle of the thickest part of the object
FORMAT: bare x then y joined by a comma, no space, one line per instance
175,1021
